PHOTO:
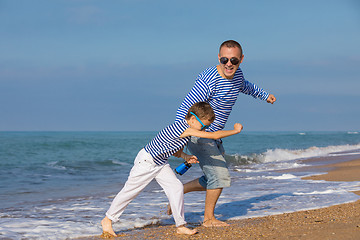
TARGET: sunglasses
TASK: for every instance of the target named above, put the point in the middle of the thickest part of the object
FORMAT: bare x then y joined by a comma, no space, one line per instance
203,125
233,60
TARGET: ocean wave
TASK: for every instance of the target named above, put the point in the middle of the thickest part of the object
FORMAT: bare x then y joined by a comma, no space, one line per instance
281,155
118,162
282,177
328,191
55,165
88,165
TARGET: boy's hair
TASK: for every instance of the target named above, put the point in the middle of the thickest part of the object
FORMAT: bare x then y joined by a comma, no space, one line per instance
231,44
203,110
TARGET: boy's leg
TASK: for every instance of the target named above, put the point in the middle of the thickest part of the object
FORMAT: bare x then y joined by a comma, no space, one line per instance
175,192
106,225
143,171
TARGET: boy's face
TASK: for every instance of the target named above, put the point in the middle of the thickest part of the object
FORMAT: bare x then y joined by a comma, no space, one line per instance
198,125
228,69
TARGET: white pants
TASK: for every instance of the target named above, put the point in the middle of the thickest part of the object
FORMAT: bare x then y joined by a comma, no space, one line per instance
141,174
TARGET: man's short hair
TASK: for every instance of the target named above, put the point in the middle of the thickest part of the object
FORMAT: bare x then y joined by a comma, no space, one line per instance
231,44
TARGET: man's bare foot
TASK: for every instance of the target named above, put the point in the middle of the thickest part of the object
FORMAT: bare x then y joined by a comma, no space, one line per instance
213,222
107,226
185,230
169,212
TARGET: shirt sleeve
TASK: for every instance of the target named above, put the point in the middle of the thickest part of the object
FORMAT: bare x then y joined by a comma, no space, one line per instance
199,93
253,90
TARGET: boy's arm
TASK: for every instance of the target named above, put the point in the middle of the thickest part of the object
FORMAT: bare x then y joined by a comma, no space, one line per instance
186,157
212,135
178,153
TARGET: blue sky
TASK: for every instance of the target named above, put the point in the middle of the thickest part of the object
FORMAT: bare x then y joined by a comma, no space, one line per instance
127,64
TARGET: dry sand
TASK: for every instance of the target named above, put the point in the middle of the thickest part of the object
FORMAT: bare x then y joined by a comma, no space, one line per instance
339,222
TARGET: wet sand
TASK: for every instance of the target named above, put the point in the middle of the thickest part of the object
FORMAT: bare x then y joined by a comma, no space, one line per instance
335,222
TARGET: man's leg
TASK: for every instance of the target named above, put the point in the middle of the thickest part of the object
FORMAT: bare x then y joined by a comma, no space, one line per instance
191,186
216,175
212,195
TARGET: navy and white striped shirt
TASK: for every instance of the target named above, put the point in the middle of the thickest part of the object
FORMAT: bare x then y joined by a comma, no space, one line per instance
220,93
167,142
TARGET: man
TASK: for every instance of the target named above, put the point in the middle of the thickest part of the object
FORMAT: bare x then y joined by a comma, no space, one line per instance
219,86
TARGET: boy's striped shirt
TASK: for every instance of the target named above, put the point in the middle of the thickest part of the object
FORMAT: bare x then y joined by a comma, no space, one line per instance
167,142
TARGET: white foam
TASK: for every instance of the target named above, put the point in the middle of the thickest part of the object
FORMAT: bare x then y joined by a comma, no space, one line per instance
122,163
287,156
55,166
30,228
329,191
344,154
276,155
284,176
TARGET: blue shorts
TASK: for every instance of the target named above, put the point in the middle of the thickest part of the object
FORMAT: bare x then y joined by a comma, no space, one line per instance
210,154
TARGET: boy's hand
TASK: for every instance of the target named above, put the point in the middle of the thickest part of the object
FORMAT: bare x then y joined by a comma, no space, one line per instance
191,159
238,127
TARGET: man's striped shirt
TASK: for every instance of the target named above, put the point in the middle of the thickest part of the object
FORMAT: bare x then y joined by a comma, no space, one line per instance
167,142
220,93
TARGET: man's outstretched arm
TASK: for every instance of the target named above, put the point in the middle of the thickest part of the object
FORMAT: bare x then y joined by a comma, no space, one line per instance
271,99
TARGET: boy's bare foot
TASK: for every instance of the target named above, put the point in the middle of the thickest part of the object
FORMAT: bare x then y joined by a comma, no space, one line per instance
169,212
185,230
213,222
107,226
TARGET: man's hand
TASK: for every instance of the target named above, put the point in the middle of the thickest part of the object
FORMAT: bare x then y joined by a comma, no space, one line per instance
271,99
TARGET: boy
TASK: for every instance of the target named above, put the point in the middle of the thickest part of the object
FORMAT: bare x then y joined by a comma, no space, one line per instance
151,162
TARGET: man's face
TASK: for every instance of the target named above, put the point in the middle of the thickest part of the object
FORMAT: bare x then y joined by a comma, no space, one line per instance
228,69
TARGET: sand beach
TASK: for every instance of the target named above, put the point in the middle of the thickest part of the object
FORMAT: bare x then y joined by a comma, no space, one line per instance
335,222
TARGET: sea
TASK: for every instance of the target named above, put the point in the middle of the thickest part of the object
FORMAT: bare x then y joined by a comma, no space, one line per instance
58,185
